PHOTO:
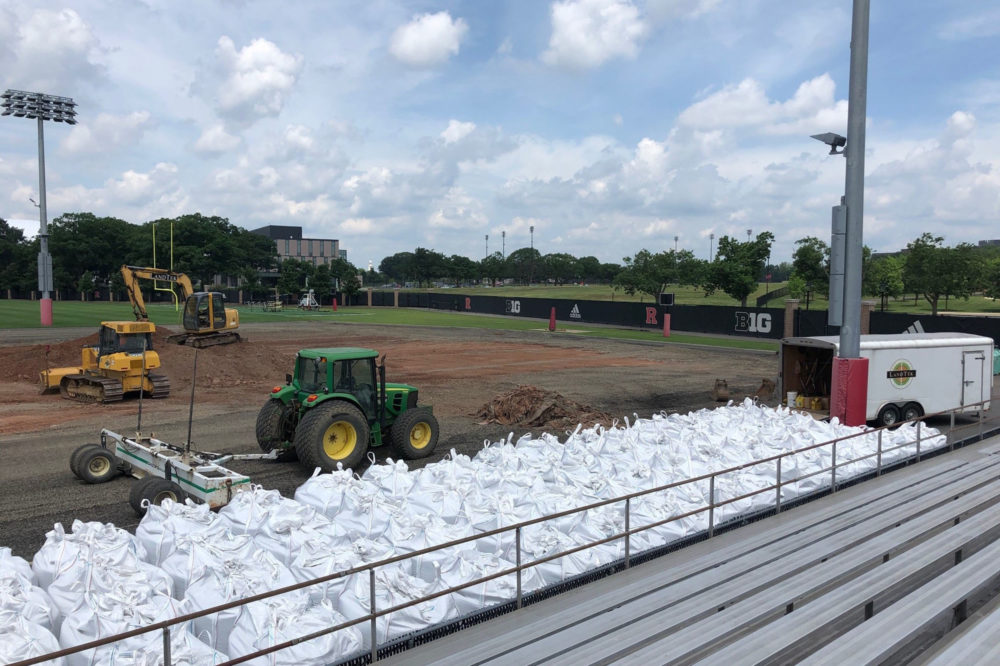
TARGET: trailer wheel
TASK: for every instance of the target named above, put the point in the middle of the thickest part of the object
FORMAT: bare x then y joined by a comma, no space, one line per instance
415,433
159,489
96,465
137,493
74,458
911,411
333,432
888,416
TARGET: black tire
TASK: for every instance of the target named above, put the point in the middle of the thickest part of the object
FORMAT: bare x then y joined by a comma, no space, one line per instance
74,458
96,465
415,433
275,427
159,489
888,416
911,411
137,493
333,432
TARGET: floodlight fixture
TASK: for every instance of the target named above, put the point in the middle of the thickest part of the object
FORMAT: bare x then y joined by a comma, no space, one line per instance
40,107
833,140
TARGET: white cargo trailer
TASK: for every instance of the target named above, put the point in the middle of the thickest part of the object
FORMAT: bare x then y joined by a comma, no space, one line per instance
909,375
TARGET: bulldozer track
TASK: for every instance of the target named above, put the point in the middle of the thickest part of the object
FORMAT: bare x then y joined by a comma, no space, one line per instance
84,388
205,340
161,385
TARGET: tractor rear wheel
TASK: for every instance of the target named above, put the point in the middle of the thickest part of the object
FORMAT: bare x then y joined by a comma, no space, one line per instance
137,493
415,433
333,432
159,489
275,427
96,465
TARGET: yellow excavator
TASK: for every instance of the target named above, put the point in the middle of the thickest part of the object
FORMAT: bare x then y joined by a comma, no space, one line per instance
206,320
120,363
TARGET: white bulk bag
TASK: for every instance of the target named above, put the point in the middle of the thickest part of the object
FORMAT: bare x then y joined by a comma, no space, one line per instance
185,650
460,567
393,586
269,622
11,562
162,523
135,580
85,541
316,560
21,639
20,599
232,580
393,479
195,552
326,492
250,508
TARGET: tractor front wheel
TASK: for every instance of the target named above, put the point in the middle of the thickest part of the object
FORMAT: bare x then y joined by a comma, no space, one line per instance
330,433
275,427
415,433
96,465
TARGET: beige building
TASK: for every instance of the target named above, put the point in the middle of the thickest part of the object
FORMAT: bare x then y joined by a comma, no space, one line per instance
291,244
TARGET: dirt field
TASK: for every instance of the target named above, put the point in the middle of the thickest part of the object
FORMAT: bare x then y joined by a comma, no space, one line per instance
456,370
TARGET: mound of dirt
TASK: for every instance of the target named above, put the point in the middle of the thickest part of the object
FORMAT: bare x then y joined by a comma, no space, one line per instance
530,406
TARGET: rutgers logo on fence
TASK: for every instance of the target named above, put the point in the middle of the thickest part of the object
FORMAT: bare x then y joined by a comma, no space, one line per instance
753,322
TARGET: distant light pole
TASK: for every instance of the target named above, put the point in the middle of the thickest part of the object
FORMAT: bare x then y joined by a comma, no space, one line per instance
487,245
503,244
749,231
711,241
40,107
676,238
531,271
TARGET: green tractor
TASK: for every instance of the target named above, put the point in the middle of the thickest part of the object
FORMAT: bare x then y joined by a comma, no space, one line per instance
337,405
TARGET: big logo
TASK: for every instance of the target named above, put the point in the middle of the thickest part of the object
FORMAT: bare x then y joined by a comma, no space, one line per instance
901,374
513,307
753,322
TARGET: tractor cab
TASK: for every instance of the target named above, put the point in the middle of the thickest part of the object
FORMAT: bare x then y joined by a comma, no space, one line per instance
204,311
346,371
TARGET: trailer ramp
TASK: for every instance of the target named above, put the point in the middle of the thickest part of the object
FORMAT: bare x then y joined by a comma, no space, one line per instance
887,570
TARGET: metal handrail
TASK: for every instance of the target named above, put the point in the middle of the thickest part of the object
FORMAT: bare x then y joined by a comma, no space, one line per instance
517,528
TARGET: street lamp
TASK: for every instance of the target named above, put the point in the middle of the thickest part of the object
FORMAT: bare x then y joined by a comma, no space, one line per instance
676,238
40,107
711,241
883,290
749,231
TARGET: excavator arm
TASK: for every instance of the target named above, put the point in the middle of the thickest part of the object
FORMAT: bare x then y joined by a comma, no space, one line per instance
132,274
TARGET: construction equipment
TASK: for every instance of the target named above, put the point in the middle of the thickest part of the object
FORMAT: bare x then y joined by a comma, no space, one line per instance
206,320
308,301
121,363
336,405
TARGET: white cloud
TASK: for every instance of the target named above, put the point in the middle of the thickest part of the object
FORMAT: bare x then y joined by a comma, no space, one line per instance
357,225
746,105
984,24
216,140
586,33
107,133
428,40
457,210
51,51
254,81
456,131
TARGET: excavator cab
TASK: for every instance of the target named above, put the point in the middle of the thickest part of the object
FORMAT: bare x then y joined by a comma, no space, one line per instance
204,311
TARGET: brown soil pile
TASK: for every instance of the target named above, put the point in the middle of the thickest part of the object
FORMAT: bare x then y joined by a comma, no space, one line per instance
530,406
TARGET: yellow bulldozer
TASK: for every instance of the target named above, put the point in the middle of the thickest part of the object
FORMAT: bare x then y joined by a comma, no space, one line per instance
206,320
122,362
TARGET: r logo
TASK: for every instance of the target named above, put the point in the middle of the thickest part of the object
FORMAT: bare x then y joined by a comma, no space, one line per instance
468,303
651,316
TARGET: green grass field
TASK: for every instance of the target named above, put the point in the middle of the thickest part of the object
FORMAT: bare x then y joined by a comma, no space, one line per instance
683,295
25,314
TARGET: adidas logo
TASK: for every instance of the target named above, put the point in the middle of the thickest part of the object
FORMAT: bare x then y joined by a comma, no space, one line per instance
575,312
915,328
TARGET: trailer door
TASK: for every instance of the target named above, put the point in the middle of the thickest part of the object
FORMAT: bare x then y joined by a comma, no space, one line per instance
972,377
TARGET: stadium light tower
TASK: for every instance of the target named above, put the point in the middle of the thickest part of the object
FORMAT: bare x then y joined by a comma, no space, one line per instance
41,107
711,241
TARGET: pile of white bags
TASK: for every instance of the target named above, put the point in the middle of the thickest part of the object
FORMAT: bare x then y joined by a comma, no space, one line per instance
99,580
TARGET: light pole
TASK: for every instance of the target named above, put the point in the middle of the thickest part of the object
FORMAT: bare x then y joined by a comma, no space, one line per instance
487,245
676,238
531,271
711,241
749,231
40,107
503,244
846,246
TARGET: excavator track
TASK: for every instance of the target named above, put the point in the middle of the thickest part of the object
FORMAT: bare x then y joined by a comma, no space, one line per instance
161,385
200,341
84,388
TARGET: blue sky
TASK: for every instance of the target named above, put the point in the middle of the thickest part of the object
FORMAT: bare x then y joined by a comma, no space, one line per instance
608,125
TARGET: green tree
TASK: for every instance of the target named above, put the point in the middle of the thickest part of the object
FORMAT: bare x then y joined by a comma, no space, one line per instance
292,276
462,269
322,282
932,270
522,263
398,266
561,267
493,267
811,263
589,268
428,265
884,277
640,275
737,266
85,285
16,265
82,242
